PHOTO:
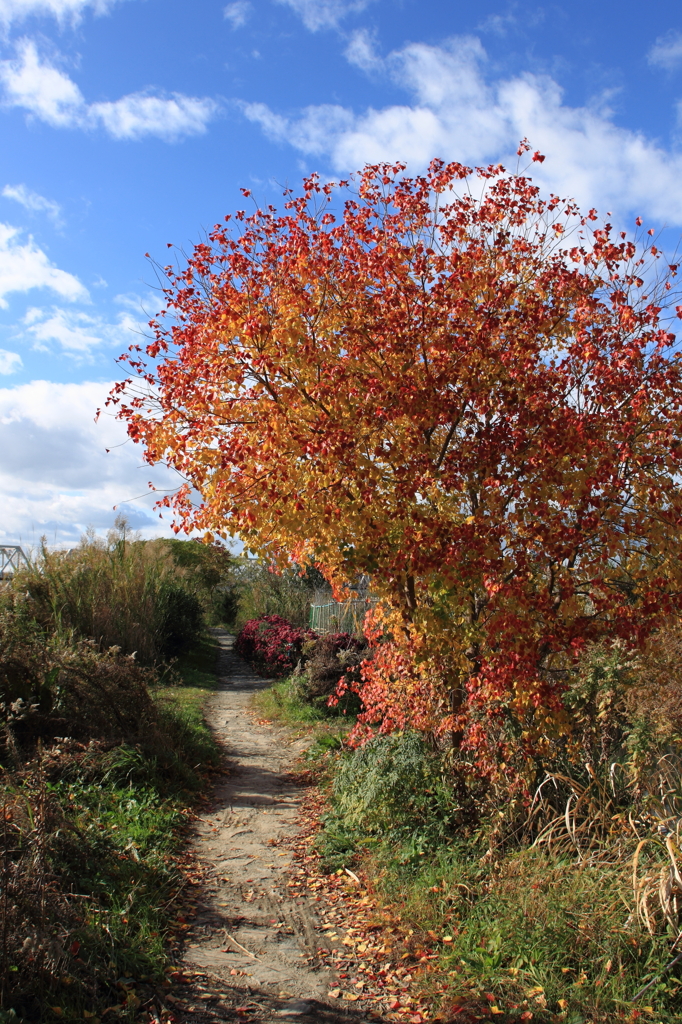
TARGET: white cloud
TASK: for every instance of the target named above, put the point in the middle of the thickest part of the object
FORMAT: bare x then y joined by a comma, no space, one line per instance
33,84
238,13
63,10
667,51
74,331
55,474
142,113
77,333
361,50
272,124
10,362
23,267
33,201
141,308
457,112
41,88
317,14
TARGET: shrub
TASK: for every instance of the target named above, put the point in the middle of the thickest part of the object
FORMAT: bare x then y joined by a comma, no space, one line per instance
104,822
209,572
53,686
329,660
260,592
37,916
656,694
395,785
274,645
98,764
179,619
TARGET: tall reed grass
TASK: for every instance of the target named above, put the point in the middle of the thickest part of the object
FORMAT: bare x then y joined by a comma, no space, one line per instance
151,598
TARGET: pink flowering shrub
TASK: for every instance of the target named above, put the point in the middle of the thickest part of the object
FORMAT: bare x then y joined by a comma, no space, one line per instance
272,644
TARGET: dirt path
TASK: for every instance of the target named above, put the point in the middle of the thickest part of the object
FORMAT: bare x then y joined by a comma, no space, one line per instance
256,943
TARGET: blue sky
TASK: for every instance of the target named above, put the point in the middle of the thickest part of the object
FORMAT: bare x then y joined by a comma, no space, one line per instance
132,123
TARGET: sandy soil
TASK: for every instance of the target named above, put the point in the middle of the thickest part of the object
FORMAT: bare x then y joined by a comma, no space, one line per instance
255,942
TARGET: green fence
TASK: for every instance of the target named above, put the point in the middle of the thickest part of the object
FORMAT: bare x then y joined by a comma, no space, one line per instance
340,616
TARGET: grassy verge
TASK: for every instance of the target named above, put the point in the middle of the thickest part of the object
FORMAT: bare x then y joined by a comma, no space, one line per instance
283,702
531,937
97,865
524,933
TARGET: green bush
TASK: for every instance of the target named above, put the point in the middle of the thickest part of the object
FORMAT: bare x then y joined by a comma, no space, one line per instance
179,619
57,686
211,573
395,785
62,686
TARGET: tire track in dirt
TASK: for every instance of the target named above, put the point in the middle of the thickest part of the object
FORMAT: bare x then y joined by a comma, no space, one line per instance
254,939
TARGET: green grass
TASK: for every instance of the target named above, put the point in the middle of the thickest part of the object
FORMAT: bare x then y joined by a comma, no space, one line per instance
124,814
126,868
283,703
197,667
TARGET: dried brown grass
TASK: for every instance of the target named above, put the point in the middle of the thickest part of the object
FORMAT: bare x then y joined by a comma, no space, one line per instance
36,915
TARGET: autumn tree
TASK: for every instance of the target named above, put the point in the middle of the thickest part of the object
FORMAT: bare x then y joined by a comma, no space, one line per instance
448,382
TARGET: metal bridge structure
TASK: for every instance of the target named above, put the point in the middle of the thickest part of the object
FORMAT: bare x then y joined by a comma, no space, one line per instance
11,559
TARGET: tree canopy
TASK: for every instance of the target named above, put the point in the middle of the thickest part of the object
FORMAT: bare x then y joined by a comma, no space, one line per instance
466,390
